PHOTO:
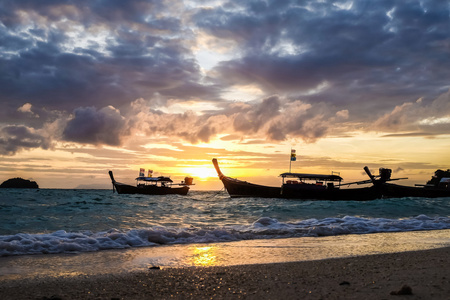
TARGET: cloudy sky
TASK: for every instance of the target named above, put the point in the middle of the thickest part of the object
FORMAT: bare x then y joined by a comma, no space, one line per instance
91,86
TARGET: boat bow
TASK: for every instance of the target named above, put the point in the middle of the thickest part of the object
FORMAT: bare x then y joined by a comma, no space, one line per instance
239,188
216,166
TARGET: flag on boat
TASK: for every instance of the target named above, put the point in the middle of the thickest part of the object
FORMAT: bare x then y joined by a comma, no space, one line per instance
141,172
150,173
293,155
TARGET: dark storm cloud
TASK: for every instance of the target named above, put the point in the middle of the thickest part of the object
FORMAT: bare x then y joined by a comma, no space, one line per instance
367,51
17,138
89,126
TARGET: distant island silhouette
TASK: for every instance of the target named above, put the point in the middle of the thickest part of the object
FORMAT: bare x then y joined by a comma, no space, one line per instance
19,183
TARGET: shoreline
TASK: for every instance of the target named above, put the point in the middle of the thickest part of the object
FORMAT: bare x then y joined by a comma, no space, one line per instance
244,252
371,277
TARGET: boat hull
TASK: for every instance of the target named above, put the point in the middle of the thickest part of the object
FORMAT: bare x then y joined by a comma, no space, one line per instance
390,190
150,189
237,188
304,191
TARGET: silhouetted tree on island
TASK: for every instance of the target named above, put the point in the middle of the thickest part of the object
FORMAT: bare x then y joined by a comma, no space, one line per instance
19,183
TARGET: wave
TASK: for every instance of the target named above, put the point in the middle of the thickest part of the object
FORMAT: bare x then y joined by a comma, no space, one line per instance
264,228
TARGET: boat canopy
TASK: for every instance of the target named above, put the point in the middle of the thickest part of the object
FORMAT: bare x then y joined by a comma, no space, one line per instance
312,176
155,179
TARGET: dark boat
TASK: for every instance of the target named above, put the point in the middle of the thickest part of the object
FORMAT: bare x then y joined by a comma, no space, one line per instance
238,188
152,186
438,186
324,188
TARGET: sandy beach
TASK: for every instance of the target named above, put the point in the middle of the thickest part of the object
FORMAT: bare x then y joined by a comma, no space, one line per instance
421,274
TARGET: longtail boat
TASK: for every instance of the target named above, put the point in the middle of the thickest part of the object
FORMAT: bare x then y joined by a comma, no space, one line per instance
152,186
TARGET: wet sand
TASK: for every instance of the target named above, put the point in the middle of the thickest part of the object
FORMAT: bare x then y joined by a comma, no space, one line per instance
424,274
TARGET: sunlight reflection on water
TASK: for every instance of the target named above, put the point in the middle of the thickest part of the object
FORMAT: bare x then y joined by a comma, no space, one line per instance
203,256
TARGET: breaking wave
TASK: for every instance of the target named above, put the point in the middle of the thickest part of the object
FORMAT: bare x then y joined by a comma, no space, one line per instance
264,228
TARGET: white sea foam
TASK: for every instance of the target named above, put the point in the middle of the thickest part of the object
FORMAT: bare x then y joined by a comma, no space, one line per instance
264,228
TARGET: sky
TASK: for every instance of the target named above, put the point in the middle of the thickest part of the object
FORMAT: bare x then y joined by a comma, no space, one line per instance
91,86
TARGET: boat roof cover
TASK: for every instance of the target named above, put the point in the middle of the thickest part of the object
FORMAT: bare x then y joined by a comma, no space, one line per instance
312,176
155,179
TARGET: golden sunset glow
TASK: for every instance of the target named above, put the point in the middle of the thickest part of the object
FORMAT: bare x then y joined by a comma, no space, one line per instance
203,256
201,172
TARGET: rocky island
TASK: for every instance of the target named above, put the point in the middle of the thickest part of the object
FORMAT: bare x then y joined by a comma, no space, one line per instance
19,183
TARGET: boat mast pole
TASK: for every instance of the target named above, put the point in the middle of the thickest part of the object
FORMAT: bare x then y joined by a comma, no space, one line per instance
290,161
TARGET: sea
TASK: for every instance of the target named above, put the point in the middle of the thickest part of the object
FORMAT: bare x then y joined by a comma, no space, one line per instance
54,221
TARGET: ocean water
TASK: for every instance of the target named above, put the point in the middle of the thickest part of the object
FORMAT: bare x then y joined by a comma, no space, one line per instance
73,221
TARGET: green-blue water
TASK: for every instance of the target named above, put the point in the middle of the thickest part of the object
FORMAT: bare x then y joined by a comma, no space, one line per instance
56,221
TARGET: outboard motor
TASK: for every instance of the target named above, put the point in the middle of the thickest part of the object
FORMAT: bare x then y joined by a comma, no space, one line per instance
188,180
385,174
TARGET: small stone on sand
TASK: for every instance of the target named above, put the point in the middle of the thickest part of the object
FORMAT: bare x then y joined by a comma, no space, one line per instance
405,290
